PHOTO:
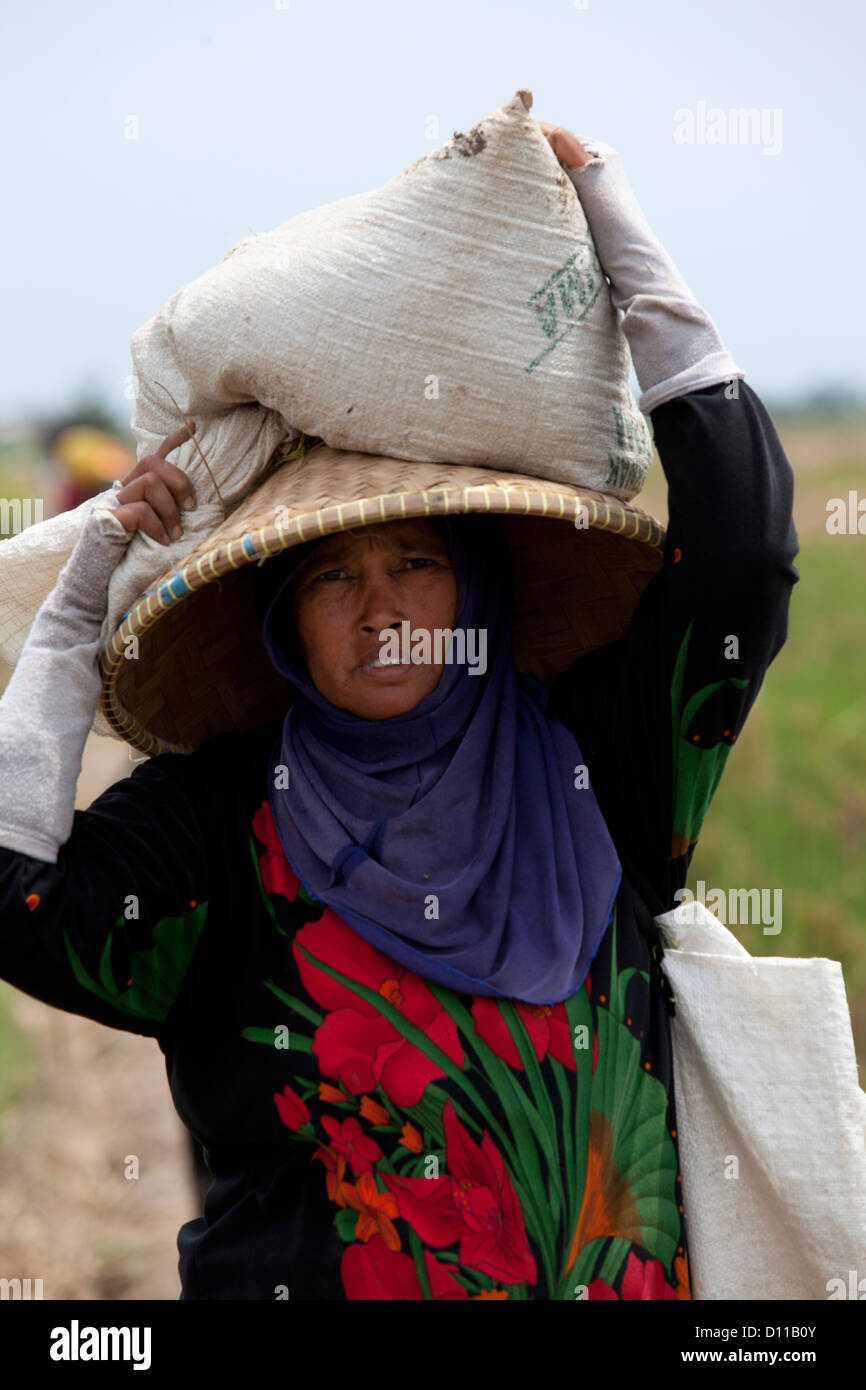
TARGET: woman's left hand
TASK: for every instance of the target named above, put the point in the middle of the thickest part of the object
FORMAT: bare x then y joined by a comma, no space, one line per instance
565,145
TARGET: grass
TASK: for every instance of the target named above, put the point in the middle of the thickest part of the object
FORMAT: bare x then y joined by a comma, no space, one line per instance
19,474
790,811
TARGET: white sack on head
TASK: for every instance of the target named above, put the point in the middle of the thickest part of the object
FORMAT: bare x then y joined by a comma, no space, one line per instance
456,314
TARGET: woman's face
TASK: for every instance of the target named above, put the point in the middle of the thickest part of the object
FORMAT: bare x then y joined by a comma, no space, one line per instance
355,586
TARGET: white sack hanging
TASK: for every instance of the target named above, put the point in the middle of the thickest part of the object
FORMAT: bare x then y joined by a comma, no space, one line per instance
770,1117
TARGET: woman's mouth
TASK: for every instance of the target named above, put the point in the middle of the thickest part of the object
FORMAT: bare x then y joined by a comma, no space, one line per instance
381,668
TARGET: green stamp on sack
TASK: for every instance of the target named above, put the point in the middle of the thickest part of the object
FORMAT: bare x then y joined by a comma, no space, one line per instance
632,433
566,297
624,473
629,469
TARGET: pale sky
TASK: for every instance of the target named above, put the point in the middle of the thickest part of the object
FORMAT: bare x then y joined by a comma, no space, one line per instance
249,111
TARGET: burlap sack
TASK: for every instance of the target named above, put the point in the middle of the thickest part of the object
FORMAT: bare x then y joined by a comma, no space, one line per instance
458,313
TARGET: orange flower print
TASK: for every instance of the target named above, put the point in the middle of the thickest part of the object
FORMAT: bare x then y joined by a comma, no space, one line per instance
377,1210
608,1207
331,1093
335,1165
411,1139
681,1276
374,1112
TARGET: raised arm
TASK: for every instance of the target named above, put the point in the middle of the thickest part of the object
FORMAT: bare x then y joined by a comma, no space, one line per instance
657,712
46,711
100,910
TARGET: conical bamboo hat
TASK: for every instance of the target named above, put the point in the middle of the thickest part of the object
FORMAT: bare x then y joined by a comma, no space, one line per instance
187,663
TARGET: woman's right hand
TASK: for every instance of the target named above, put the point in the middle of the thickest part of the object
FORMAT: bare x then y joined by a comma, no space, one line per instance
151,491
565,145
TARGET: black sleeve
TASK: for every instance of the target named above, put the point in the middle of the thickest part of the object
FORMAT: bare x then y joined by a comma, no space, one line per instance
657,712
110,929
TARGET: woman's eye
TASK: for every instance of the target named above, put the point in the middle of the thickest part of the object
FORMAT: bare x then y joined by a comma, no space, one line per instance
422,560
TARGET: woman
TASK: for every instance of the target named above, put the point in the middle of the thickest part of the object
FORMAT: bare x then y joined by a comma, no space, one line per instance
397,945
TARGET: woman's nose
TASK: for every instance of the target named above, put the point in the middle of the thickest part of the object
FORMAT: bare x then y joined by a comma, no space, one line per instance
379,603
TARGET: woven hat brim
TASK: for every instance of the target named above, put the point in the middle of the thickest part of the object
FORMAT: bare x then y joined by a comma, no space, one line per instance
581,560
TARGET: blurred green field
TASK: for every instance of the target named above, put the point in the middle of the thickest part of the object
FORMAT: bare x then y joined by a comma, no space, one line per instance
790,811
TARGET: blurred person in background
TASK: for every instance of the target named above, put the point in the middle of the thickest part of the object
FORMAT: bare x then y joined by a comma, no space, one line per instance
82,459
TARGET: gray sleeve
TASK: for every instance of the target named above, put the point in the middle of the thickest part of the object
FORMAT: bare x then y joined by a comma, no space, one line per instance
47,709
674,344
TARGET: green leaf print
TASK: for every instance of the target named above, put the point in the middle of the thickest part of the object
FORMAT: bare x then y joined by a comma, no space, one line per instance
696,771
155,974
346,1222
630,1186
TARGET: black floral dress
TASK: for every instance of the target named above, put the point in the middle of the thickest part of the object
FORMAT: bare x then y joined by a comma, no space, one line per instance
370,1134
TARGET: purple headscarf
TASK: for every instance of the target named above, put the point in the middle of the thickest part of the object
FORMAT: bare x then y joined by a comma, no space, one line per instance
452,838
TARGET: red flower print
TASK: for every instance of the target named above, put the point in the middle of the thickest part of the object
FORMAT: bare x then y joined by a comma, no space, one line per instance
349,1140
372,1271
599,1289
377,1210
278,876
474,1203
293,1110
355,1043
640,1281
546,1024
645,1280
